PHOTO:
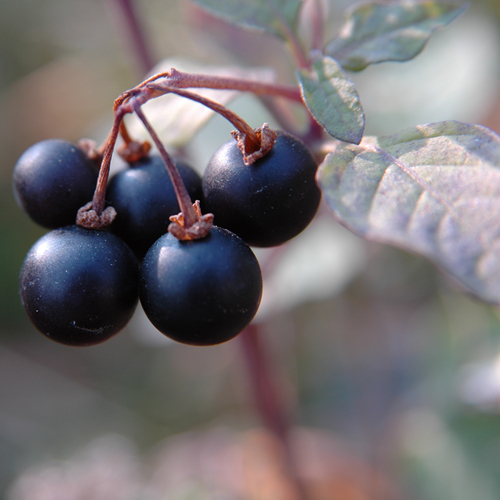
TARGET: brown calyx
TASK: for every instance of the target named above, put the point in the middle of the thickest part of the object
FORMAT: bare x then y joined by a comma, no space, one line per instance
195,231
91,151
254,148
134,151
88,218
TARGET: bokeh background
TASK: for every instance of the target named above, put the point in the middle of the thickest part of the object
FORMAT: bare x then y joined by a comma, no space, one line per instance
376,354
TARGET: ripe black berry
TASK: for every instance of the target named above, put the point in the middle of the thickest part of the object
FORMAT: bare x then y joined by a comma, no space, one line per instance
268,202
52,180
201,292
144,199
79,287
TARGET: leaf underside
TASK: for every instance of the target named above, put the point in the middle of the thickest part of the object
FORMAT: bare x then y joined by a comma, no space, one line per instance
333,100
432,189
375,33
272,16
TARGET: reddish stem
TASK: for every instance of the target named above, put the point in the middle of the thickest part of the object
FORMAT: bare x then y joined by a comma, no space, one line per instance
296,48
172,81
179,79
318,16
265,393
268,402
137,35
124,133
130,101
183,198
99,199
153,87
252,140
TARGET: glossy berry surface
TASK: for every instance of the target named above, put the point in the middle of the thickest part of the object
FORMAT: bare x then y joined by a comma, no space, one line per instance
52,179
201,292
144,199
266,203
79,287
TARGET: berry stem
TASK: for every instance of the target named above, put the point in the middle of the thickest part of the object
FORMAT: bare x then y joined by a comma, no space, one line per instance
99,199
179,79
174,81
124,133
252,141
183,198
132,100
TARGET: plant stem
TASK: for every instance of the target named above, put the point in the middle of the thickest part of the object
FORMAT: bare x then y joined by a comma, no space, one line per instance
265,393
252,140
174,81
295,46
317,22
124,133
99,199
179,79
267,400
137,35
183,198
131,101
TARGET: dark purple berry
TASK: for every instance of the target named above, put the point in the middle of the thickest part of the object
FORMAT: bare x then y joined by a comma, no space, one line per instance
144,199
266,203
79,287
52,180
201,292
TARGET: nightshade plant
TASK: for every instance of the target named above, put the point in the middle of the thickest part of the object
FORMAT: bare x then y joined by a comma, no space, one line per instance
432,189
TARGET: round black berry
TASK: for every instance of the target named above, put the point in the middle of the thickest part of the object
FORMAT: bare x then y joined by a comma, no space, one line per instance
52,180
144,199
201,292
266,203
79,287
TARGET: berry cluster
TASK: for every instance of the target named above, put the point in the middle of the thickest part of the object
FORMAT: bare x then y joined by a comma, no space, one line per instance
198,284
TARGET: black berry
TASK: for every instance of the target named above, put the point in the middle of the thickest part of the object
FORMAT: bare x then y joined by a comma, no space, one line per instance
79,287
201,292
266,203
52,180
144,199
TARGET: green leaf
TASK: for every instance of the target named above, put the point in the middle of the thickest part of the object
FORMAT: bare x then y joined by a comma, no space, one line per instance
177,119
432,189
273,16
333,100
374,33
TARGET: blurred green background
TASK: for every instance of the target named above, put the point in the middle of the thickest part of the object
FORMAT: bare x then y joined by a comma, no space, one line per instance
388,356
